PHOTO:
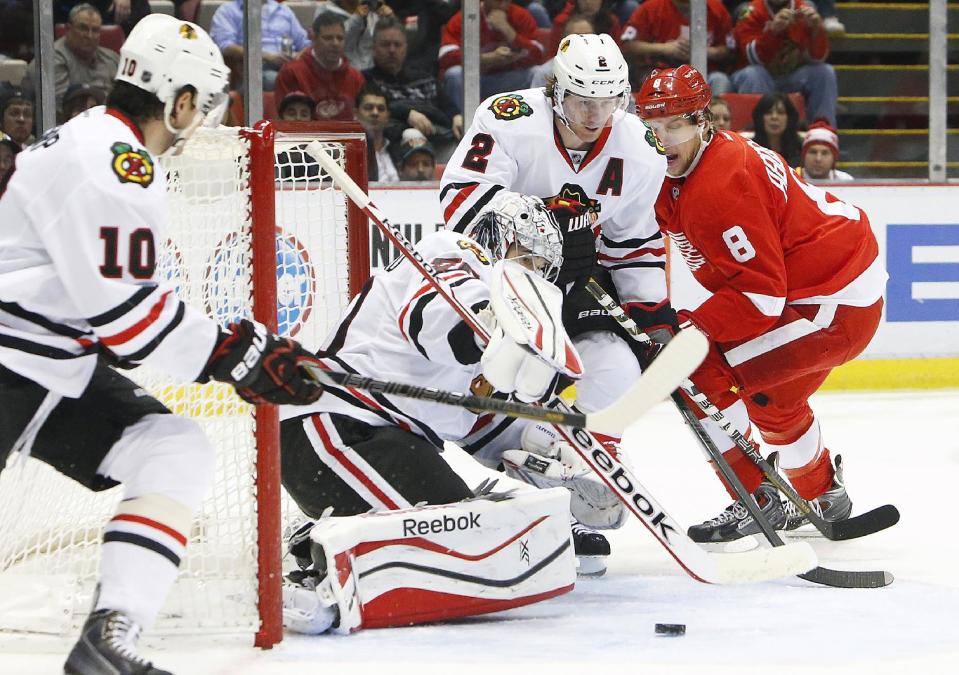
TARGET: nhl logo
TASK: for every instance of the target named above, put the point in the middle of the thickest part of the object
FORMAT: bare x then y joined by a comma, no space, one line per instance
675,192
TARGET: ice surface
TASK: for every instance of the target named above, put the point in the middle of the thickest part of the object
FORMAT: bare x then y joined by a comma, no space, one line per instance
900,448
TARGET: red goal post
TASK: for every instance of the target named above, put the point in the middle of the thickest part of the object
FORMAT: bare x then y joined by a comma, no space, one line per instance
255,229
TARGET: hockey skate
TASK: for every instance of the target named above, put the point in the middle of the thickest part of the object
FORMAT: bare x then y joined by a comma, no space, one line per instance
591,548
107,646
832,505
735,522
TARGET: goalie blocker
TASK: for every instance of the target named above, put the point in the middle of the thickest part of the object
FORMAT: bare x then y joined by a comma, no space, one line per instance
433,563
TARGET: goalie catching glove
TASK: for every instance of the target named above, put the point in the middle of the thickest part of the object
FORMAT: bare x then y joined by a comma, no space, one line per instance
262,367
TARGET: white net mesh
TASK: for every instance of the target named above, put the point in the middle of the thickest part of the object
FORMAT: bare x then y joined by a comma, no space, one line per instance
49,549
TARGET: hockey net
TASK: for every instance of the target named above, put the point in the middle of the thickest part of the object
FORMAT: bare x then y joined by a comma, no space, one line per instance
256,230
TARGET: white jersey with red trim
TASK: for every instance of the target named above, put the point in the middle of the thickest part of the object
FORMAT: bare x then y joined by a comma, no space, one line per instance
82,216
512,144
399,328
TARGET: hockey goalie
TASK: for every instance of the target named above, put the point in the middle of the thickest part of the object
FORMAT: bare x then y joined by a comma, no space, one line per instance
408,540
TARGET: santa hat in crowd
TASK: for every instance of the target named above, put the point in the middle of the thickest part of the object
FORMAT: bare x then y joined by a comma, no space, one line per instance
821,134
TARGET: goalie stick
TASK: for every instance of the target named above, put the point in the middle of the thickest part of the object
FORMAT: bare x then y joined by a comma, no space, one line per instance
702,565
819,575
872,521
653,386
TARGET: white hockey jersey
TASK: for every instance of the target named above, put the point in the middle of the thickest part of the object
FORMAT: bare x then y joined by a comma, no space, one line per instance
512,144
398,328
80,223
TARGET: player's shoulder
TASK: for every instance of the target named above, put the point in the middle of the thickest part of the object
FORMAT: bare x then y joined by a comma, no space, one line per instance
636,142
728,169
449,244
101,148
516,110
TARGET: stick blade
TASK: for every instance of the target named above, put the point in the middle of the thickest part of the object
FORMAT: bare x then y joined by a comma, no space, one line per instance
763,564
675,363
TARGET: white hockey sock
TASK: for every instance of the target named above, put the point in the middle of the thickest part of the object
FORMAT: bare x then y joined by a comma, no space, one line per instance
142,548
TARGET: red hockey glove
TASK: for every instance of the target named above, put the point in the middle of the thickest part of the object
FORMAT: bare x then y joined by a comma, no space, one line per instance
262,367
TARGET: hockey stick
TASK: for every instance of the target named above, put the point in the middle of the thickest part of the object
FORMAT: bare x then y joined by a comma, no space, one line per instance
872,521
819,575
656,384
702,565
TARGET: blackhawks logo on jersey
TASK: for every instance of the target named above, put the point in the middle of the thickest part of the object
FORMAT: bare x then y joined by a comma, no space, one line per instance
653,140
510,107
573,207
132,166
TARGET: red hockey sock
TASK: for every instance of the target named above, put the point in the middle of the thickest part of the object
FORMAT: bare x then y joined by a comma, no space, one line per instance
744,468
814,478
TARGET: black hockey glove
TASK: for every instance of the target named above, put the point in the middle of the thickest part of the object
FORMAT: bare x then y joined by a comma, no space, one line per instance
579,244
262,367
659,323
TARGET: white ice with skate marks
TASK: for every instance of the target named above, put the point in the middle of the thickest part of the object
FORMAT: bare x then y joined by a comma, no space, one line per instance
899,448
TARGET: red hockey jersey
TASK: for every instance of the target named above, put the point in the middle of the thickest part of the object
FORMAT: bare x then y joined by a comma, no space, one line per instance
757,236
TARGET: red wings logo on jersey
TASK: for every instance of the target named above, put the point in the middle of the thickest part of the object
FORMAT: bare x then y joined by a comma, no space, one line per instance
510,107
132,166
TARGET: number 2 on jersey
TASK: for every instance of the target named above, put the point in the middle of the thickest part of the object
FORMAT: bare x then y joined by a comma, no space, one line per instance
476,156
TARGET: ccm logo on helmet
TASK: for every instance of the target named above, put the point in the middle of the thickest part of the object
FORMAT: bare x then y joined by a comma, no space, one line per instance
602,82
445,524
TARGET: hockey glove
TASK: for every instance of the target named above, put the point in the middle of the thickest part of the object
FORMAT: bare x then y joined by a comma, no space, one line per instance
262,367
579,244
659,323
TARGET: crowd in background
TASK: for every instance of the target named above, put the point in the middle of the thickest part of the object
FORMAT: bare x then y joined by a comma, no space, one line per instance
395,66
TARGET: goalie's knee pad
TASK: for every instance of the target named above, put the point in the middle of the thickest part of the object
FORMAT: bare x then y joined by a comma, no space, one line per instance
546,461
163,455
399,568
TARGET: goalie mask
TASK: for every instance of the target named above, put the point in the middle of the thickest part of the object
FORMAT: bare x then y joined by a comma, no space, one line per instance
591,81
162,55
522,221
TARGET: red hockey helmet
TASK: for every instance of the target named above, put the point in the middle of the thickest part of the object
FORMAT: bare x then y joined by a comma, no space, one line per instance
673,91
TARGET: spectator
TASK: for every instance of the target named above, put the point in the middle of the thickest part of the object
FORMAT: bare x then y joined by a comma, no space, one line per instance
599,14
282,38
373,112
78,57
79,98
296,107
361,18
622,9
537,11
820,152
578,24
783,47
832,24
8,150
722,118
16,29
424,21
125,13
776,125
16,116
508,45
657,36
418,162
416,99
323,72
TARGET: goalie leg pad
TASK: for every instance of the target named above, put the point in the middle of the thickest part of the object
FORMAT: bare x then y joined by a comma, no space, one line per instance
418,565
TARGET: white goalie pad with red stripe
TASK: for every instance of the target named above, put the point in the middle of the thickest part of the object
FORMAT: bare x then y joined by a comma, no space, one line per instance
530,311
432,563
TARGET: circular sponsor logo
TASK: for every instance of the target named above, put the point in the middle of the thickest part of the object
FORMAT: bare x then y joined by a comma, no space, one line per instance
227,291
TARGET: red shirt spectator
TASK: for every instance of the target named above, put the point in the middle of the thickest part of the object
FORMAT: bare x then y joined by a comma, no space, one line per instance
520,20
597,11
323,72
781,40
662,22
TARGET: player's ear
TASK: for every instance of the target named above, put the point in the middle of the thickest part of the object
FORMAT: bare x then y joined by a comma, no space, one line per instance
184,103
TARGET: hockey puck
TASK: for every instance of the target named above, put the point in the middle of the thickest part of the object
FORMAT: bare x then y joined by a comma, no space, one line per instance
670,629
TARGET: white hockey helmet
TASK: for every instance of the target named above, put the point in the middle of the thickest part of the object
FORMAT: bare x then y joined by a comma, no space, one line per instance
589,66
163,54
512,218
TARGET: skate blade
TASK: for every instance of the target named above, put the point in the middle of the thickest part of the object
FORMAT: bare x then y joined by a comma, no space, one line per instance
590,565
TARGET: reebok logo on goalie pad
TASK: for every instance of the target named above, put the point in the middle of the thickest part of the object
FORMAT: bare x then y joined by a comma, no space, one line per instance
413,527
